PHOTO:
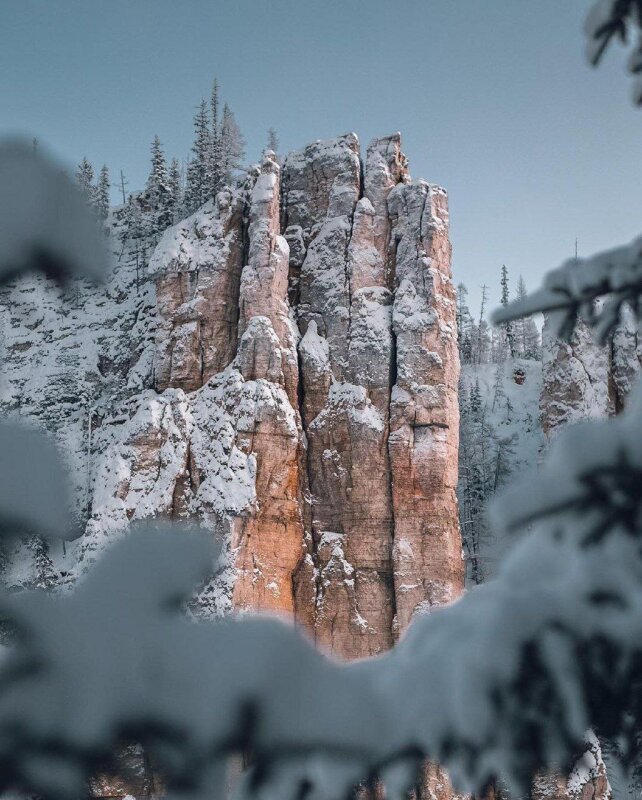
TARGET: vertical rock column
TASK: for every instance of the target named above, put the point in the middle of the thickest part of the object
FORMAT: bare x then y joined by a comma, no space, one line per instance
424,412
424,433
344,311
198,271
268,543
582,379
267,336
371,276
386,166
575,379
626,358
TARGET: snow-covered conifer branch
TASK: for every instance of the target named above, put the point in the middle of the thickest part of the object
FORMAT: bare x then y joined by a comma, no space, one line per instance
614,19
572,290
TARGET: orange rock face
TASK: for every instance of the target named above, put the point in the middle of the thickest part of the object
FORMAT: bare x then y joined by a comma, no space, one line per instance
294,388
197,296
424,421
268,543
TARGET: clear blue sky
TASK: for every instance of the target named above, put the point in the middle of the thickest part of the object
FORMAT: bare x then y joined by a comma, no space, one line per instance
493,98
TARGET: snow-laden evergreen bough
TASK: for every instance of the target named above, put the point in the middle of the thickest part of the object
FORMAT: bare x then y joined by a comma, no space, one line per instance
503,683
610,19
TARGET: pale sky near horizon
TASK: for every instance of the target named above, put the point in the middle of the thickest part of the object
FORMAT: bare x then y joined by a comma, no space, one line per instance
494,100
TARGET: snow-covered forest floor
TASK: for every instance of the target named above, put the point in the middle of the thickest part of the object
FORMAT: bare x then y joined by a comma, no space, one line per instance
500,438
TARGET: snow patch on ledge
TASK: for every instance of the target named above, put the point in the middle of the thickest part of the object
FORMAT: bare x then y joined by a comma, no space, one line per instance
179,454
352,400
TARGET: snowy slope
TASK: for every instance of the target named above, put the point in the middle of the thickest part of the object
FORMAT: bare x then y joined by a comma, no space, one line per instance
498,441
513,411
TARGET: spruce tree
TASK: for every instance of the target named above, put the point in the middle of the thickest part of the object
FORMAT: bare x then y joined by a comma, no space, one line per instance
199,180
44,574
498,386
482,347
528,336
507,326
232,146
464,325
158,180
175,189
102,193
272,141
478,468
214,110
215,169
533,340
85,178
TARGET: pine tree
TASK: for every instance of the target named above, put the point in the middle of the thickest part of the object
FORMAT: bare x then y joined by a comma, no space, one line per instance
44,574
158,180
498,386
175,189
199,179
464,325
232,146
216,155
121,184
528,336
507,326
478,469
102,193
272,141
483,336
85,178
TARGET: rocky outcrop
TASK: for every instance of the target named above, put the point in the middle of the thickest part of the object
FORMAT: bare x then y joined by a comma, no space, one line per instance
424,421
587,781
625,352
267,543
344,312
575,379
197,294
584,380
283,368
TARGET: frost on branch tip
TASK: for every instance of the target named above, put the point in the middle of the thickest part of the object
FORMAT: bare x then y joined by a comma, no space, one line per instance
45,223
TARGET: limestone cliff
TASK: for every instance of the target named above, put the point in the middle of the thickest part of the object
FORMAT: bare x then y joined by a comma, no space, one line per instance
282,366
583,380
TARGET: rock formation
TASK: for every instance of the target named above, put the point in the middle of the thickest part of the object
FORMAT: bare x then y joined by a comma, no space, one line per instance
281,366
583,380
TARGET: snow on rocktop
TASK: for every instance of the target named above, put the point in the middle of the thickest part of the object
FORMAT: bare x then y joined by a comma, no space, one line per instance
196,241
